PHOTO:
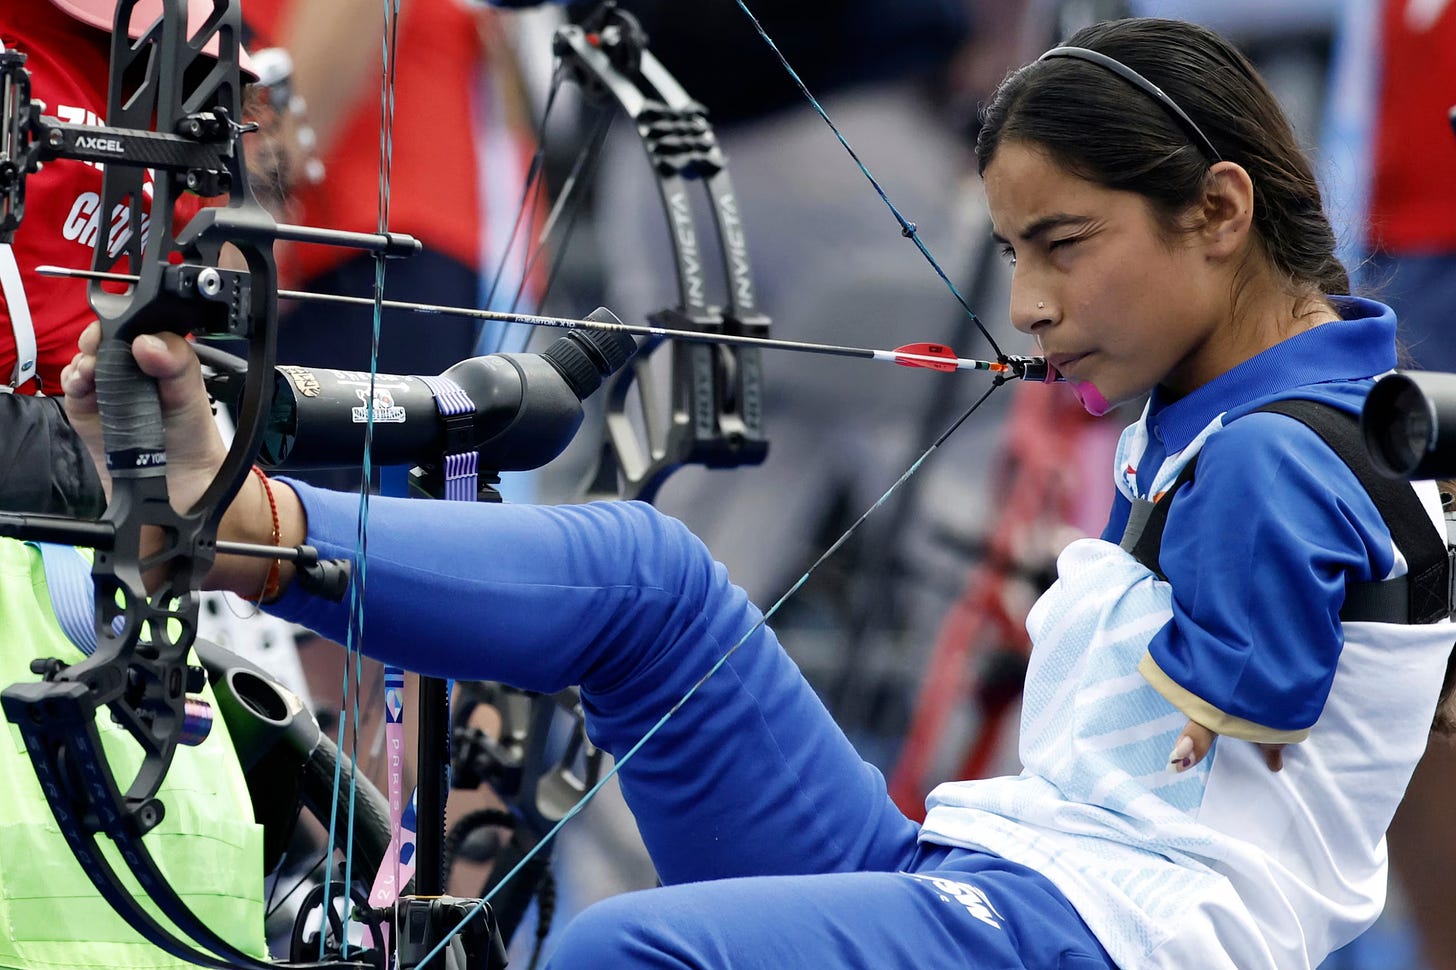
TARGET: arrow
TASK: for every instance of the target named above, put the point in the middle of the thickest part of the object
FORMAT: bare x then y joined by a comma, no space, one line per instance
930,356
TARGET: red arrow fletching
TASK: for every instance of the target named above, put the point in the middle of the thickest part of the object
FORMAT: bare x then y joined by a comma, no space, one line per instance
928,350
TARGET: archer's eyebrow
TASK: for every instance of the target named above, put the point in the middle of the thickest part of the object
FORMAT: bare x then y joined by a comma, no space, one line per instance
1044,225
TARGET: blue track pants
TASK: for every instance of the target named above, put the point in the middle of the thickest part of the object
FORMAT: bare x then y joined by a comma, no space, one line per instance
779,846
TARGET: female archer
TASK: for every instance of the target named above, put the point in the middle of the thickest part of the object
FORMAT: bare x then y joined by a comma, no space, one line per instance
1168,240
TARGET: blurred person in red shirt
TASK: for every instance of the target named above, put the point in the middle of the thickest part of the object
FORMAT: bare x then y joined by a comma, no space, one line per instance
461,146
42,467
1412,219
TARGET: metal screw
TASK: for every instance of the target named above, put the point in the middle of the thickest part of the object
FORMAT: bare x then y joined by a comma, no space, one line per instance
209,282
56,138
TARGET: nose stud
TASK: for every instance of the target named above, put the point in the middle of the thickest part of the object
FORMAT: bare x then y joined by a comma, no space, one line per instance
1041,306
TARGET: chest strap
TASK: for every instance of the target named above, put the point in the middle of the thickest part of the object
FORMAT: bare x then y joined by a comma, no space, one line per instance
1425,594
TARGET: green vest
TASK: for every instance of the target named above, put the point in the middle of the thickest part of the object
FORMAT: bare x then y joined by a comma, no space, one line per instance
51,916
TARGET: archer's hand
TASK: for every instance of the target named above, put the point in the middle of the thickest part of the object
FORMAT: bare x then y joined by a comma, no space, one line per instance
1193,744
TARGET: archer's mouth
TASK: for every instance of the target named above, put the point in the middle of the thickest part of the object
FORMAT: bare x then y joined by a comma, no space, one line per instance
1064,361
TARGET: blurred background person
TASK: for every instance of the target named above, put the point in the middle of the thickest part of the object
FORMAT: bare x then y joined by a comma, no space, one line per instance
1412,219
461,142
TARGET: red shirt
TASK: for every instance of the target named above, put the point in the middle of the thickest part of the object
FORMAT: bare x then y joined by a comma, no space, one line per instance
443,106
1413,198
68,64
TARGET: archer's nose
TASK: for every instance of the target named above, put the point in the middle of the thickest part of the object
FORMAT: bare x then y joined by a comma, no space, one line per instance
1031,313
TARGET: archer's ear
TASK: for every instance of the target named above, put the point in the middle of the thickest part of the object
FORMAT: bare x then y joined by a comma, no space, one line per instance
1227,210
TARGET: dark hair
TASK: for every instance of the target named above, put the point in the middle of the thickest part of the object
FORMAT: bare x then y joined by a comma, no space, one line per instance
1105,130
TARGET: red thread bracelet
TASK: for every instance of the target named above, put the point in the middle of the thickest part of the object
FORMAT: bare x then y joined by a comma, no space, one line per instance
270,585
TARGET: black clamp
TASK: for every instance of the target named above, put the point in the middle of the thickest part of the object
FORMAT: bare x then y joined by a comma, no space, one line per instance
423,922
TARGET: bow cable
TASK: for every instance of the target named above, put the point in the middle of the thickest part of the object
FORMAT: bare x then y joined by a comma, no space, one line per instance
582,170
353,651
908,229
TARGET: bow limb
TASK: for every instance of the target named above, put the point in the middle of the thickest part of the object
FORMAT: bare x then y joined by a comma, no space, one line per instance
717,394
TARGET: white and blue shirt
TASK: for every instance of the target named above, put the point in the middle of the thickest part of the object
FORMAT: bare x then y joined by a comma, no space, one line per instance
1228,864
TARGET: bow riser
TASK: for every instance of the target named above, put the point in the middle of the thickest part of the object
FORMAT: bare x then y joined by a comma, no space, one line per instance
151,633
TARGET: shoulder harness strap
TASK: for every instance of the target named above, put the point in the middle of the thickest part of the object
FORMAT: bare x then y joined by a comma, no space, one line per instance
1425,594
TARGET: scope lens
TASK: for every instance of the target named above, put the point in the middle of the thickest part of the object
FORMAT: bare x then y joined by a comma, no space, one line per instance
1410,433
1399,425
281,429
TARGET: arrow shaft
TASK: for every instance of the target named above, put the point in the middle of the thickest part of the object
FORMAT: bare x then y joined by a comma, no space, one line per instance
572,323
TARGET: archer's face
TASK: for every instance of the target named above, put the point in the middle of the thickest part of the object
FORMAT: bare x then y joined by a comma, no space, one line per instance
1113,299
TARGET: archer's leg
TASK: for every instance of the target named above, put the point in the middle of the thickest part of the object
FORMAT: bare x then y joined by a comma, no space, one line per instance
750,777
992,915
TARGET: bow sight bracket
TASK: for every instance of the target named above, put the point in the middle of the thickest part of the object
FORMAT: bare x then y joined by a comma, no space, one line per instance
200,149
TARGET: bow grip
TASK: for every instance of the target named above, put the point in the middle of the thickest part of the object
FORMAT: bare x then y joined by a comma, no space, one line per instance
131,414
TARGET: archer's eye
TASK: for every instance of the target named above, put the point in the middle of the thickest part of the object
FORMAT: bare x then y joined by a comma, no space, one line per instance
1056,244
1008,254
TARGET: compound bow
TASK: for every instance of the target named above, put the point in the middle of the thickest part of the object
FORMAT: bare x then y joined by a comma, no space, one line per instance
175,110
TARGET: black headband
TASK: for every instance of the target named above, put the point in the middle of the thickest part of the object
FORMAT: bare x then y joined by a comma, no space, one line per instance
1142,84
